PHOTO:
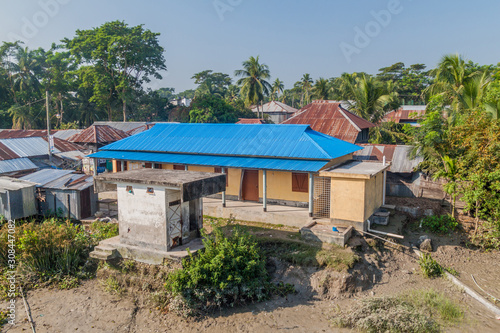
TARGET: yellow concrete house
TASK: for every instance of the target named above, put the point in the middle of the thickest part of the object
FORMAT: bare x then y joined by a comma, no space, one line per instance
272,164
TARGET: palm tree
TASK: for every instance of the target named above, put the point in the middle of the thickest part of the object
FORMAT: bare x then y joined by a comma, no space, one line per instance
321,89
450,173
462,87
306,85
368,97
253,81
277,89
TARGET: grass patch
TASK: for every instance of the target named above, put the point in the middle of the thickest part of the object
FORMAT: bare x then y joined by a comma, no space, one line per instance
302,254
441,224
111,285
416,311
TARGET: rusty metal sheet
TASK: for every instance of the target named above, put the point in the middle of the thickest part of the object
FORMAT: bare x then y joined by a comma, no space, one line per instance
99,134
6,153
330,118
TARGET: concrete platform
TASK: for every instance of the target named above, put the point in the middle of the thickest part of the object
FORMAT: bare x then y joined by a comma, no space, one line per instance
252,211
112,248
324,233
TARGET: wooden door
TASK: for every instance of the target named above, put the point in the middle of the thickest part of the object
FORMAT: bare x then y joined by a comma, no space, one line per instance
85,205
179,167
250,186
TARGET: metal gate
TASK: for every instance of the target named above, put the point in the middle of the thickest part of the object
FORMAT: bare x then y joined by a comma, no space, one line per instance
174,219
322,191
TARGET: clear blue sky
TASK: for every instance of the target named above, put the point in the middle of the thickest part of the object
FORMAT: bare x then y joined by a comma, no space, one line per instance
292,37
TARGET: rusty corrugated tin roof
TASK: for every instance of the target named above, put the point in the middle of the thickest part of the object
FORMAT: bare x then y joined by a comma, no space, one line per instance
6,153
330,118
64,145
274,106
15,134
99,134
405,113
250,121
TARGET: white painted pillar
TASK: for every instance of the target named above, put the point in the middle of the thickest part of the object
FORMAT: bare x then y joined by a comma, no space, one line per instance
94,164
224,192
186,167
123,165
264,190
385,182
311,193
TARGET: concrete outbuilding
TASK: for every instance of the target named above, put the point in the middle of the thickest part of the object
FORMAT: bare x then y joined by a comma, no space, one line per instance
158,211
17,198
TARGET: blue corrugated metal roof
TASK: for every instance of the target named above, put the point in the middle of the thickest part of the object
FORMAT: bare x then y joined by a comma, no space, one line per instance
211,160
287,141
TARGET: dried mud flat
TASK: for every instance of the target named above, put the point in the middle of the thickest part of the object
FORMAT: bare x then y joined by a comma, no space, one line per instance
89,308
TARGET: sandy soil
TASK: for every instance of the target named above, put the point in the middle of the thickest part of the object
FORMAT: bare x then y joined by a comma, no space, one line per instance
383,270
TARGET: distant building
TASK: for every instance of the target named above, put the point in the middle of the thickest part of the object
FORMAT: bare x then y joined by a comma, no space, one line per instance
406,114
277,111
181,101
24,154
96,136
330,118
129,127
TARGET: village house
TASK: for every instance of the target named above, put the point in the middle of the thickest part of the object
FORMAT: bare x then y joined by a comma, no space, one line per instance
276,111
270,164
330,118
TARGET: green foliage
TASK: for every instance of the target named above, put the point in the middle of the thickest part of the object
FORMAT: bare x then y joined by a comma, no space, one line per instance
212,109
442,224
229,271
430,267
102,230
302,254
49,251
253,82
112,286
416,311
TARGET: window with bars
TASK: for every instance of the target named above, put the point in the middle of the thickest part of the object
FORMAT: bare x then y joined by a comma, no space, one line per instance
300,182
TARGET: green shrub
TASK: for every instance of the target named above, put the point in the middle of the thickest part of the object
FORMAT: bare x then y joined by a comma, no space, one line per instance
440,223
488,235
430,267
49,251
229,271
417,311
102,230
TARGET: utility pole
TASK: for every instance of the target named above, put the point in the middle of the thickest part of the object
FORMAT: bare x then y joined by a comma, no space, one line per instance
48,122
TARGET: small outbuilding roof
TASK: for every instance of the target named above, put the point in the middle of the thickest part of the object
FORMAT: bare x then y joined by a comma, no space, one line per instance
356,169
59,179
274,106
45,176
252,121
13,184
17,164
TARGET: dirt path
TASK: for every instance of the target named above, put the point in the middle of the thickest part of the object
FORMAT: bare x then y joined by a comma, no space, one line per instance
89,308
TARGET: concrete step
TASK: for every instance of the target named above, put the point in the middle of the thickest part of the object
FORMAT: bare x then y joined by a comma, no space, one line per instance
104,252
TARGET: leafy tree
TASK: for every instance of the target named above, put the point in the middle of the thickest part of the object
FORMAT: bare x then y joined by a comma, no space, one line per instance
211,83
253,82
449,172
212,109
125,56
